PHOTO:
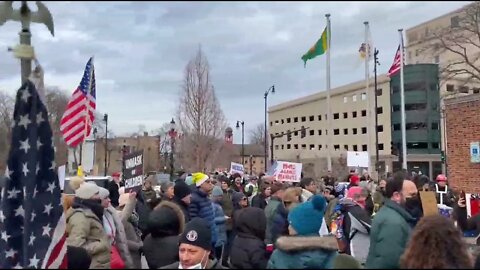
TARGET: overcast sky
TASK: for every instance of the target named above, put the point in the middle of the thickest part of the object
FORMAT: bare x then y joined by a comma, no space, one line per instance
141,50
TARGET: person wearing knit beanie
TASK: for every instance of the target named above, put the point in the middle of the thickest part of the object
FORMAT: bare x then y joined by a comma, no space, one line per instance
182,195
199,178
306,218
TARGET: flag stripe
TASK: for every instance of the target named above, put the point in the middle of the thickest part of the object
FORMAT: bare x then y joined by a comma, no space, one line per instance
396,64
78,118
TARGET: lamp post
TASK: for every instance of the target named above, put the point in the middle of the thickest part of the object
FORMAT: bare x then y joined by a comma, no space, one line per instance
243,139
105,119
25,16
265,96
375,64
94,146
172,133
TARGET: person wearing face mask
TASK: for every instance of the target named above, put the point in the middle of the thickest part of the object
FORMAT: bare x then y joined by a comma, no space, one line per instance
379,196
351,224
391,227
195,247
413,204
84,223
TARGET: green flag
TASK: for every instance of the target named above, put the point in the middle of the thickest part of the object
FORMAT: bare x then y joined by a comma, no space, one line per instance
318,49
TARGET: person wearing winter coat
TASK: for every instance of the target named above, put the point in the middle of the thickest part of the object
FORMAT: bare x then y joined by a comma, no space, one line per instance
392,225
274,207
77,258
251,189
182,197
263,197
148,192
201,205
115,229
167,190
304,249
227,206
113,188
130,219
220,220
443,192
379,196
195,247
465,223
352,224
166,222
249,243
84,223
309,188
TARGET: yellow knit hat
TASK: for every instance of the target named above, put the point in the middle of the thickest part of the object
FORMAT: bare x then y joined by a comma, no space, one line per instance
199,178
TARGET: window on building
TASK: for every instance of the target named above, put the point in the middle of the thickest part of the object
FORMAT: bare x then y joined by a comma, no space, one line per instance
354,98
283,146
417,52
345,147
276,122
345,131
450,88
295,146
415,86
246,161
411,107
379,92
364,130
312,132
289,146
336,131
354,114
319,132
476,90
276,147
311,118
336,115
364,147
364,96
295,119
435,125
409,56
355,148
312,146
288,120
364,113
455,21
336,147
379,110
326,117
380,146
319,118
271,123
304,146
326,132
354,131
417,145
253,161
415,126
435,145
380,128
295,133
463,89
434,106
396,127
319,147
345,99
283,122
304,119
345,115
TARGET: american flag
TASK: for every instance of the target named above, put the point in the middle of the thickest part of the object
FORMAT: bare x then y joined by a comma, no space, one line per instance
75,125
396,63
32,222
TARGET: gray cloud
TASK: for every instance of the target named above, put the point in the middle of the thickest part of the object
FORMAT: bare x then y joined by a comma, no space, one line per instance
141,49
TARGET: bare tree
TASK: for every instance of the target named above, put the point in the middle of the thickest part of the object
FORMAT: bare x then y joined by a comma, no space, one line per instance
7,104
257,135
200,117
461,40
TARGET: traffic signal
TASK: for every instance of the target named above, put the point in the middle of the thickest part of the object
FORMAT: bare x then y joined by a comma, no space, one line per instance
289,136
393,149
442,156
303,132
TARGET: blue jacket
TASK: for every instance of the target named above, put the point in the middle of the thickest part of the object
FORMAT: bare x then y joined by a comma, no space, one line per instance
201,206
220,226
303,252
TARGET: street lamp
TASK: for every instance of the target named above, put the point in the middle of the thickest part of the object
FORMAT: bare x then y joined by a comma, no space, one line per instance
173,134
105,119
243,139
94,145
265,96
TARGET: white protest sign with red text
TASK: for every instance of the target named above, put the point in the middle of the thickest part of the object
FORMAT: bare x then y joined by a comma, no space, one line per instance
286,171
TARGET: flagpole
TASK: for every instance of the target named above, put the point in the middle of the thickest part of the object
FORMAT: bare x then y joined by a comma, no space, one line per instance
402,105
367,93
87,112
329,119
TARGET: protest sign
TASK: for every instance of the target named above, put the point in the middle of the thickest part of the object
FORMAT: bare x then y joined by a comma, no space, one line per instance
429,203
358,159
236,168
133,171
286,171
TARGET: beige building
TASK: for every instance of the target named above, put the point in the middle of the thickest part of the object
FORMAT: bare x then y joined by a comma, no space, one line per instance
253,159
349,131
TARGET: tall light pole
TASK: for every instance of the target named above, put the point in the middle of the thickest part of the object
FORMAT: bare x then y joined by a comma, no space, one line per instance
265,96
25,16
172,133
243,139
105,169
94,146
375,64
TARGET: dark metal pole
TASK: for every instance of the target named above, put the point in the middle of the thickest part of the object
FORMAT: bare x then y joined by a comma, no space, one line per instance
172,166
375,55
243,144
272,138
105,117
265,135
251,165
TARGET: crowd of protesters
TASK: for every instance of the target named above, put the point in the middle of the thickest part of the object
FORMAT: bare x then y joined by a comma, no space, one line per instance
228,221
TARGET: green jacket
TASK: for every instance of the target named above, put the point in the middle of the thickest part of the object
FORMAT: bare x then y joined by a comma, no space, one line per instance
270,214
391,229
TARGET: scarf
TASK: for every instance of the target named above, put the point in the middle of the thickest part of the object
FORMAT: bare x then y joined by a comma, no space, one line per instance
93,204
134,220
